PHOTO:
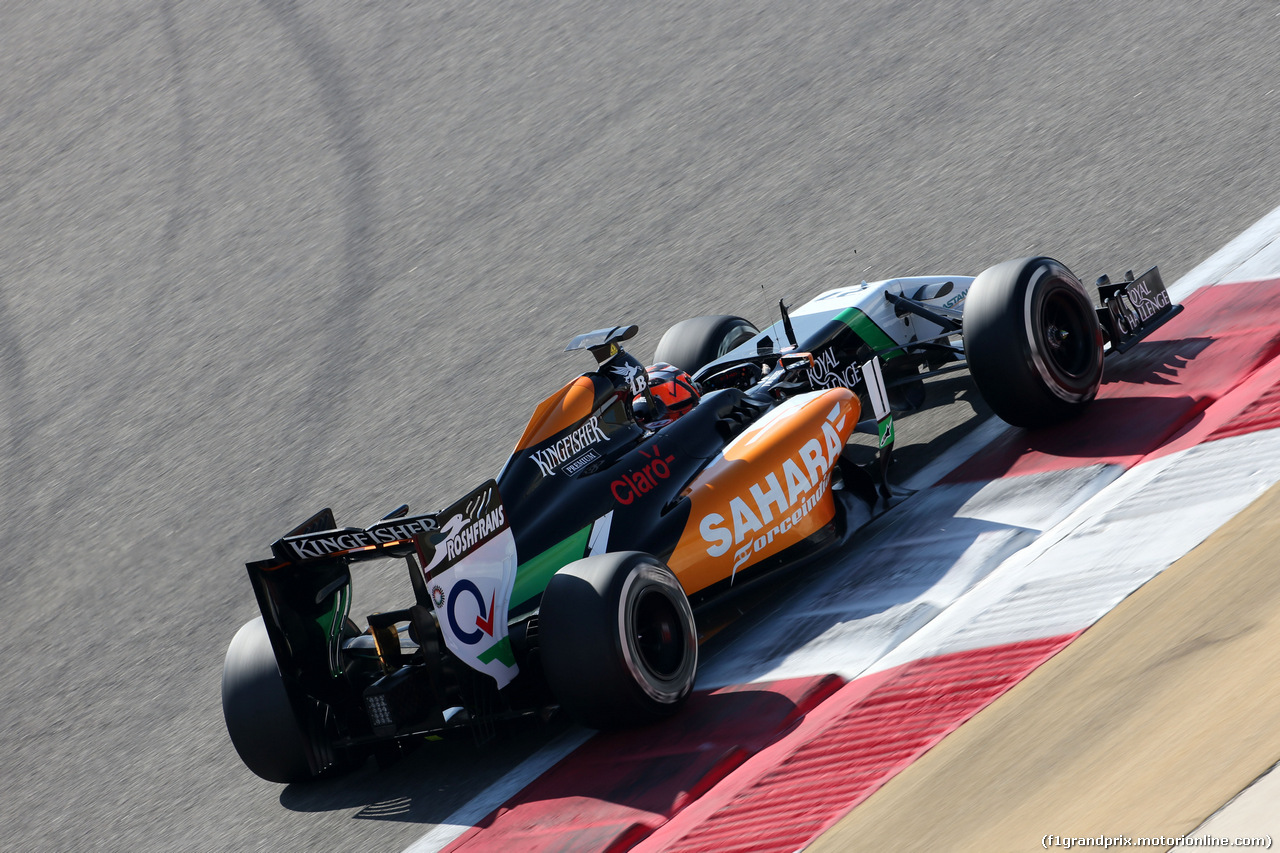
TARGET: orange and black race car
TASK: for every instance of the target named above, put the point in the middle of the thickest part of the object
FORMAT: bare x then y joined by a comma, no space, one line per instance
634,497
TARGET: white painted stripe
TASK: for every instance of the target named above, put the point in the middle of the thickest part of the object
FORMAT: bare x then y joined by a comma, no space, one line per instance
599,542
446,832
960,452
1253,255
1074,574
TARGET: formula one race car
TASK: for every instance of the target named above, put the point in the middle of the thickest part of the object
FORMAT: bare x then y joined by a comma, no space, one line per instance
634,497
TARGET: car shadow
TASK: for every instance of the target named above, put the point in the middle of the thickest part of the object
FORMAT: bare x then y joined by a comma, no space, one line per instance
646,771
1155,362
429,783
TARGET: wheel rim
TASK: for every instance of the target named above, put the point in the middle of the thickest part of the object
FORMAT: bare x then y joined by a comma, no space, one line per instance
1064,334
736,337
658,634
1064,337
659,642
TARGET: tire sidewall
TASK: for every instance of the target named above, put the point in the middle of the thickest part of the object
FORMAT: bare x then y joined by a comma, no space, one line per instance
592,661
650,579
259,717
694,343
1005,342
1044,282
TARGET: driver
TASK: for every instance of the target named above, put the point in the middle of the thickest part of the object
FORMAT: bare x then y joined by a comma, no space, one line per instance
673,392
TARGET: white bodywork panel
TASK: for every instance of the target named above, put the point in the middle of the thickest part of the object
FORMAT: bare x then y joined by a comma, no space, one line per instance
868,297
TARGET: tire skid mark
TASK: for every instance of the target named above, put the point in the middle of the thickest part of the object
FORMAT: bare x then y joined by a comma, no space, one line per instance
359,279
106,404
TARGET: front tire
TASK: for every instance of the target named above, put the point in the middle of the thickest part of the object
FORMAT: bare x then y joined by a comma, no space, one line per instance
1033,342
619,643
259,716
694,343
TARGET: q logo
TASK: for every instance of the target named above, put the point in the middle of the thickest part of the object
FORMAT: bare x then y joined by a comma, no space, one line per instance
484,620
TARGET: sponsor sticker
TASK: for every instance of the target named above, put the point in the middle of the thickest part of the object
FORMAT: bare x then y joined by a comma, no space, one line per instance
634,375
777,503
582,460
330,542
632,485
558,453
828,372
1147,301
1137,304
470,568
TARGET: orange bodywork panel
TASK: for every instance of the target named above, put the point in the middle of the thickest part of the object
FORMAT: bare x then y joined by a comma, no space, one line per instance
572,403
770,489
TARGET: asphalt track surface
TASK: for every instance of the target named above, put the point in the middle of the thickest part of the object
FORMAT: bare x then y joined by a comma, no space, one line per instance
259,258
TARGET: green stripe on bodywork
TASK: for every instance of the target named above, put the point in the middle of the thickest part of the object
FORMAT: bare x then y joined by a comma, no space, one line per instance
500,651
331,622
875,337
885,428
533,575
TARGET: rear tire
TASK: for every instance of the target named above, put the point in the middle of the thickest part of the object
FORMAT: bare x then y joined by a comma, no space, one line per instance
694,343
1033,342
260,719
619,643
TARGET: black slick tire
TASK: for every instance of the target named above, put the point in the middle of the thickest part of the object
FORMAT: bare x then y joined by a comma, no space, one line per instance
259,717
618,639
694,343
1033,342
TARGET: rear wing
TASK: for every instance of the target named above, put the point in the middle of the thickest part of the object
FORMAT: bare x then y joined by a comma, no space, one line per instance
304,593
320,536
462,564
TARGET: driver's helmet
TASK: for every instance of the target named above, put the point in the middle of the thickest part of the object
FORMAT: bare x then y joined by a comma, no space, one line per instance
672,389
